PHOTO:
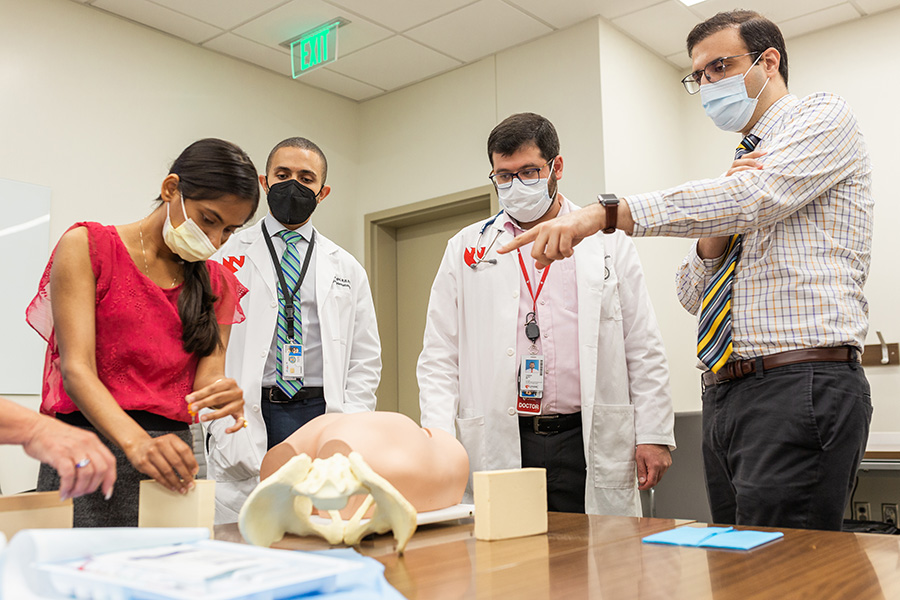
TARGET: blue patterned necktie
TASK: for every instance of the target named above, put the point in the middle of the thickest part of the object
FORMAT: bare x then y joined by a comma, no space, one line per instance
291,265
714,341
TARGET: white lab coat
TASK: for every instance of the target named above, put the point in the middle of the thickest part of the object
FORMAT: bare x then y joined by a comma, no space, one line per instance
467,369
351,353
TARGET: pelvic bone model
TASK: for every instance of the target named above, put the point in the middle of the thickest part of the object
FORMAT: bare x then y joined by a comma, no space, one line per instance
283,503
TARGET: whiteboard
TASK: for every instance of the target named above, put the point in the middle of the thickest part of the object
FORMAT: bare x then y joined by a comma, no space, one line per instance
24,251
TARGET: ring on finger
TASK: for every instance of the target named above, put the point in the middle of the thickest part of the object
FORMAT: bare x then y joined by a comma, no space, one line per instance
82,463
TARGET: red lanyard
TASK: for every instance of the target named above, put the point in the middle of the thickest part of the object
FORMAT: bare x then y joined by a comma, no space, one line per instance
534,297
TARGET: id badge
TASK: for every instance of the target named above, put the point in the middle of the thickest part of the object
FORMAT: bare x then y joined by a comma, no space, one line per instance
532,374
531,385
292,361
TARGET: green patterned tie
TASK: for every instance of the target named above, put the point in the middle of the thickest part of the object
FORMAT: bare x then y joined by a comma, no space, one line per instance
290,265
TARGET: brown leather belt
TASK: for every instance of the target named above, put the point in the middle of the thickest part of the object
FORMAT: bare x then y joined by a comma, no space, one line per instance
743,367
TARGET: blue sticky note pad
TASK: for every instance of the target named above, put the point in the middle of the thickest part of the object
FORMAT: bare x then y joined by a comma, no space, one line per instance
713,537
685,536
741,540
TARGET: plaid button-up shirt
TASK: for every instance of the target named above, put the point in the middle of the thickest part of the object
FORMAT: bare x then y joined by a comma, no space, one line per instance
807,220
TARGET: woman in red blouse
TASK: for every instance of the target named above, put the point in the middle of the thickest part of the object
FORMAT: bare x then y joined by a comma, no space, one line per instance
137,321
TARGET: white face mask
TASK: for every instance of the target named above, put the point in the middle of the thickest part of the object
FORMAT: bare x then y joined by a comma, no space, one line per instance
187,240
525,203
726,101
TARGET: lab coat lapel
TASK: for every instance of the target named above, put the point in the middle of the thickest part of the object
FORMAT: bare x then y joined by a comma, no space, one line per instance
258,253
589,275
326,269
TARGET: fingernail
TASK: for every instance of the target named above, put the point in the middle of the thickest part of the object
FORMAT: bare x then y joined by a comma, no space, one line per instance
108,496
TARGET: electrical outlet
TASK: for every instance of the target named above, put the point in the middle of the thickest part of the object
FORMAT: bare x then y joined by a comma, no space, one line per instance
862,511
889,513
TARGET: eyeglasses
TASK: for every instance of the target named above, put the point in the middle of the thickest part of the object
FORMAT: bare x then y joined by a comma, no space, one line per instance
529,176
714,71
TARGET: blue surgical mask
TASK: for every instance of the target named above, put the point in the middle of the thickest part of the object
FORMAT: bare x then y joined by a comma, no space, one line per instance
726,101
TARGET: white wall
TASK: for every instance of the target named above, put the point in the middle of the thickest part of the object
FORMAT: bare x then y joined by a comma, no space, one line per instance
430,139
97,108
643,135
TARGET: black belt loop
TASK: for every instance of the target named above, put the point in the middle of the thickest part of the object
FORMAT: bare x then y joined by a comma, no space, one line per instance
760,368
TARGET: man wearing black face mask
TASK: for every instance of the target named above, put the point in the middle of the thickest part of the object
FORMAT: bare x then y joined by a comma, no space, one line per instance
309,344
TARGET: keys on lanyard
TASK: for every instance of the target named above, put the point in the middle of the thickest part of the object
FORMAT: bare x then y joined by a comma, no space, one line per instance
532,331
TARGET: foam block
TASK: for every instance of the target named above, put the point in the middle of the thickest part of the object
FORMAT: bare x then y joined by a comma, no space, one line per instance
32,511
510,503
160,507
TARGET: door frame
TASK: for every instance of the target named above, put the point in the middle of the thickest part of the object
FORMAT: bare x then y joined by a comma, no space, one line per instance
381,264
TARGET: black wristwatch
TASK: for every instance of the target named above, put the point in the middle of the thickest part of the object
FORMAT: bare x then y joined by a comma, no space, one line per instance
611,202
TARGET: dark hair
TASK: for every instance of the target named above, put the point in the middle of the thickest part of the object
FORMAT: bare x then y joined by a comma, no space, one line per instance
523,129
758,33
303,144
207,170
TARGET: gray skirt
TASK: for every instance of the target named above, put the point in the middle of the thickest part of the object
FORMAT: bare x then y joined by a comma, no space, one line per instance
121,510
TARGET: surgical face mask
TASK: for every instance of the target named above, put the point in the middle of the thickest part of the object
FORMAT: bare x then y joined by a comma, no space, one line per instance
291,202
187,240
525,203
726,101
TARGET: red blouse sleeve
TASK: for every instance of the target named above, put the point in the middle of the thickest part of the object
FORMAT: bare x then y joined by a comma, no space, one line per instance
39,314
229,292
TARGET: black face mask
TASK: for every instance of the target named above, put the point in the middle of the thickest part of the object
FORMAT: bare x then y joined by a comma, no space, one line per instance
291,202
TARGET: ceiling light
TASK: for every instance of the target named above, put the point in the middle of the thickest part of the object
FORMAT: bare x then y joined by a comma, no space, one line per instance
691,2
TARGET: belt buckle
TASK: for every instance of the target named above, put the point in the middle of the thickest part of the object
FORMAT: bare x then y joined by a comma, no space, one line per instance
536,424
272,392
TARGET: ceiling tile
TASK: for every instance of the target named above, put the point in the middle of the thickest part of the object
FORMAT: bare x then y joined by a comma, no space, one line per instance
221,13
874,6
680,60
662,27
818,20
299,16
248,50
563,14
776,10
160,18
393,63
477,30
340,84
400,15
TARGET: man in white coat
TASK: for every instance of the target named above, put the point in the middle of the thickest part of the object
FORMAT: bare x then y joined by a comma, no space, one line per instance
309,344
596,411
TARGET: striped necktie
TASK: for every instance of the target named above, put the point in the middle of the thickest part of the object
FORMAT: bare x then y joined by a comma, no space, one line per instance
714,343
291,263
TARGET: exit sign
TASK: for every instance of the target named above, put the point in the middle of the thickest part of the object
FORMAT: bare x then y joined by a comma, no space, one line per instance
315,48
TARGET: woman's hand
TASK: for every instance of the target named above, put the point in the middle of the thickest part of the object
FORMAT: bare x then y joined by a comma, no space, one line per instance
167,459
224,398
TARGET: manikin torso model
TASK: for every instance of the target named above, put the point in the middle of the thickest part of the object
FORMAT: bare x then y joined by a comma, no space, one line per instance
428,467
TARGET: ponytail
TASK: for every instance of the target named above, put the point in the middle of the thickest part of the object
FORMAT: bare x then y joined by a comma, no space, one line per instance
196,307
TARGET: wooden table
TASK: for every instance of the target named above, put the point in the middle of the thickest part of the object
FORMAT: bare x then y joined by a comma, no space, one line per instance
602,557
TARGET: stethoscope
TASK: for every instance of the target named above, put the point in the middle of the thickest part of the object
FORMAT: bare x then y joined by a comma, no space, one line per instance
492,261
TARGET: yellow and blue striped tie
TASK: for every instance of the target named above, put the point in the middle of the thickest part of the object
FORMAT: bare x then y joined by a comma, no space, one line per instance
714,340
291,266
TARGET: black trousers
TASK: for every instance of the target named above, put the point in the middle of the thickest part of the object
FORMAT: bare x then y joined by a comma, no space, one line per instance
283,419
562,454
781,447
